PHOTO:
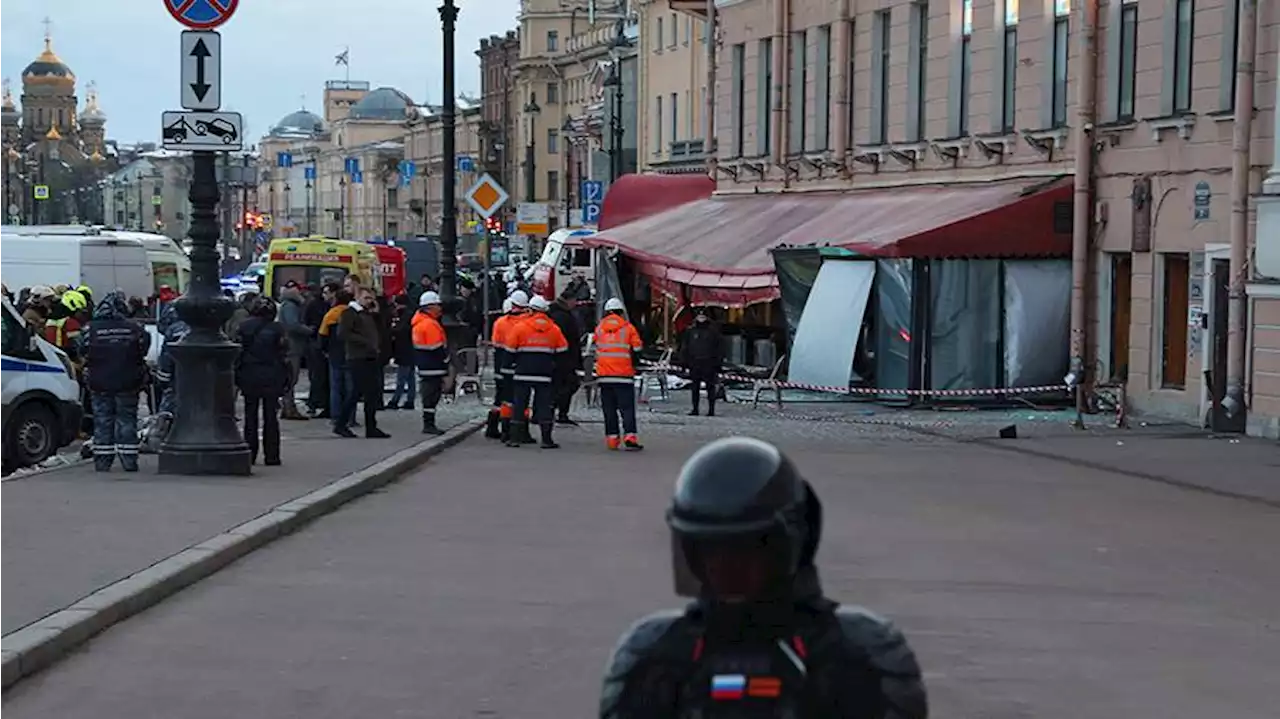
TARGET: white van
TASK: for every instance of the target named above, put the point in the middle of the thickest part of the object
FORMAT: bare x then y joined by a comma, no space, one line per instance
563,256
170,265
102,262
41,396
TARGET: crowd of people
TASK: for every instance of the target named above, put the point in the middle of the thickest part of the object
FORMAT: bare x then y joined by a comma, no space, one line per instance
346,336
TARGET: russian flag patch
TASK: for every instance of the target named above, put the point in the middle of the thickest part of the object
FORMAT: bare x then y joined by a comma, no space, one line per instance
728,686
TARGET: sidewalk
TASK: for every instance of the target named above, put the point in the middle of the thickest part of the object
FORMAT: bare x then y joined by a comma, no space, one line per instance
70,531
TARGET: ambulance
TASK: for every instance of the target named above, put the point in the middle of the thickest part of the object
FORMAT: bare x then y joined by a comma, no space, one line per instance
315,260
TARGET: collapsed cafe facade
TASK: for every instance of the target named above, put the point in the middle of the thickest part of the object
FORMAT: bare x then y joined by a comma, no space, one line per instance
939,290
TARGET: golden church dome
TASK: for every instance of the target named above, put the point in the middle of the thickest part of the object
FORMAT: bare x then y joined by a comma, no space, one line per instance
48,69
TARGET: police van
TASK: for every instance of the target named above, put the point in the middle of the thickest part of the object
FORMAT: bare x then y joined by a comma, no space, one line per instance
41,396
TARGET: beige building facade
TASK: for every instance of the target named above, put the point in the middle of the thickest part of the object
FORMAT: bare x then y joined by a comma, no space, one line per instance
673,86
565,55
866,94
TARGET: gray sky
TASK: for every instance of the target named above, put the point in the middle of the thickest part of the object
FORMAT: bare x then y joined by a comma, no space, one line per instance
275,52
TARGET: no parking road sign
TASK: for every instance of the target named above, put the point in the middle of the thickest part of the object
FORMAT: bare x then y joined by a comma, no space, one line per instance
201,14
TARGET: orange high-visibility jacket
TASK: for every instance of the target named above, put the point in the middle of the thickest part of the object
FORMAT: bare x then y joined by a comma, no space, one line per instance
430,351
535,340
615,339
503,358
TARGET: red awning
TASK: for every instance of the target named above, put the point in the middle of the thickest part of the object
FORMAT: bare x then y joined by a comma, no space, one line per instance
633,197
722,244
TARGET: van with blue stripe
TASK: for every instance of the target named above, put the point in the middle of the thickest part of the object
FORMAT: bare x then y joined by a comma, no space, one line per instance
41,395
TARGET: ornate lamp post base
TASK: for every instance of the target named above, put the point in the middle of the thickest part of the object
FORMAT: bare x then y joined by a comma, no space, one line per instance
204,438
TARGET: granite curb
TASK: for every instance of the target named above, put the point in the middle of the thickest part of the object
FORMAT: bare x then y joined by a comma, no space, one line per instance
42,643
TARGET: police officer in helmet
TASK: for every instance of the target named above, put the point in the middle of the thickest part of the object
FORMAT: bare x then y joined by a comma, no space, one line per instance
761,639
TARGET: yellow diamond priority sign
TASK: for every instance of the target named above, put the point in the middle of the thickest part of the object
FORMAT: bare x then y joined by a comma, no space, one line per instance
487,196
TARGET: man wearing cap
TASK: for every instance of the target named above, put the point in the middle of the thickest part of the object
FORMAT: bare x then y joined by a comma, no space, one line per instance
431,355
535,341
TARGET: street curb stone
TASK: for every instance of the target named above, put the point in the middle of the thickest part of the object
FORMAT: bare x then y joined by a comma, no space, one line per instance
42,643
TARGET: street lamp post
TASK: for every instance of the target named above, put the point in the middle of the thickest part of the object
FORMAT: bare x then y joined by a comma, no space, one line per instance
288,207
204,438
310,201
448,199
566,138
531,111
614,80
342,203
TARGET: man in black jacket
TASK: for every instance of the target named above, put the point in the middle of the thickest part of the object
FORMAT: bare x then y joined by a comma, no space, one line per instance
701,352
115,352
761,640
318,303
569,362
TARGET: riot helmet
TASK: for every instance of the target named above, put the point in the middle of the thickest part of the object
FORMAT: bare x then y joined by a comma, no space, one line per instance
744,522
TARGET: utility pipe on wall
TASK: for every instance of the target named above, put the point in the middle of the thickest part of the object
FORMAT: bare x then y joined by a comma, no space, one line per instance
781,17
844,42
709,122
1241,138
1082,205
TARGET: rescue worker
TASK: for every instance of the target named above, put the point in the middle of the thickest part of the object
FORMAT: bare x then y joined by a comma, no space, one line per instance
64,331
502,330
701,353
431,355
173,329
760,639
497,426
615,341
38,307
535,341
115,352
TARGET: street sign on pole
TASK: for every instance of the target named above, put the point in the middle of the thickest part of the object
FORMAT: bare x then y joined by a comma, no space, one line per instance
201,14
309,172
284,159
592,197
40,192
201,70
202,130
532,218
486,197
466,164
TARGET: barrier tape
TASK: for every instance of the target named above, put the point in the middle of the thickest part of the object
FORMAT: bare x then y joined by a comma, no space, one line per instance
780,384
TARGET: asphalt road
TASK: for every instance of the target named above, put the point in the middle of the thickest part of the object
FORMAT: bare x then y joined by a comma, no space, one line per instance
495,581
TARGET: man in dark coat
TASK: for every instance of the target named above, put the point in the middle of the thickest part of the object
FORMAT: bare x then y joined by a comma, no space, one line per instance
115,352
567,363
701,352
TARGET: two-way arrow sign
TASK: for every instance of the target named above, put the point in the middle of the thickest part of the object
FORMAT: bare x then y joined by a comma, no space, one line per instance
201,70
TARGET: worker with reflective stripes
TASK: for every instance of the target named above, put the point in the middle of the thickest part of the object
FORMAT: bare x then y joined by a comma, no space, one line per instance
504,365
431,356
535,340
615,339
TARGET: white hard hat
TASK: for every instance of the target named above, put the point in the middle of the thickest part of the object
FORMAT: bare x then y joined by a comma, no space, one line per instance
519,299
428,298
539,303
614,304
38,291
507,305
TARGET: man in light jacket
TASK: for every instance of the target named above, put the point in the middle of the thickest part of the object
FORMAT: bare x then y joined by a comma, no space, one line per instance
299,336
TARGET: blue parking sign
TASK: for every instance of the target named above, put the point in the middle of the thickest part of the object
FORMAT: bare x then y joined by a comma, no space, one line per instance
592,197
309,172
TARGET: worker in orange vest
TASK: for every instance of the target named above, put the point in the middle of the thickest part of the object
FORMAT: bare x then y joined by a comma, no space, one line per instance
515,306
615,341
431,356
535,340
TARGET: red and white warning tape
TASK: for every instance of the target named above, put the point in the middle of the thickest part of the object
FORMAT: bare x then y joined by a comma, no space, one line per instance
771,384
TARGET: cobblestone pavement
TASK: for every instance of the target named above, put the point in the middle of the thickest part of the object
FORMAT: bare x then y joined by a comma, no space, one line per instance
493,583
